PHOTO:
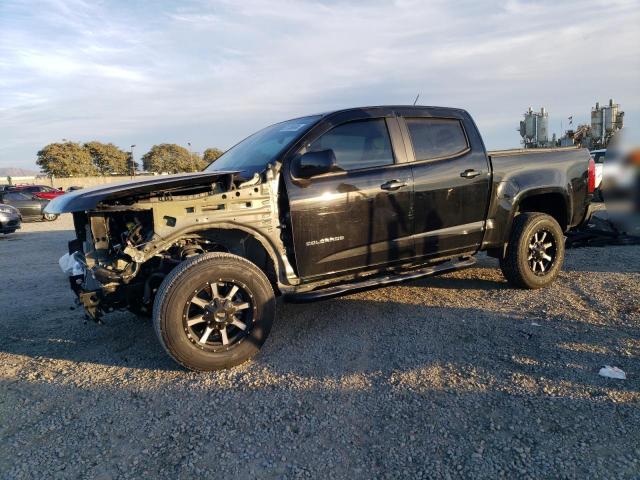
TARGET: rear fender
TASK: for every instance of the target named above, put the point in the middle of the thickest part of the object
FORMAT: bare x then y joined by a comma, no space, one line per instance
511,200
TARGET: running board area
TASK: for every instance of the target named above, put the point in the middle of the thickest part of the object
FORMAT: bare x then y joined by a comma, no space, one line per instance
380,281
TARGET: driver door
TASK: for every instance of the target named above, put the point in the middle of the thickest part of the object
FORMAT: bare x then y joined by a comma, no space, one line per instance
360,215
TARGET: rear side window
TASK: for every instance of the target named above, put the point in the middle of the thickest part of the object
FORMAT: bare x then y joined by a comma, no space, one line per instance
359,144
436,137
16,196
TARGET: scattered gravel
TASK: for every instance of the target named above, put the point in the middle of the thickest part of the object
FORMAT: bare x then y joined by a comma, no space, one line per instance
454,376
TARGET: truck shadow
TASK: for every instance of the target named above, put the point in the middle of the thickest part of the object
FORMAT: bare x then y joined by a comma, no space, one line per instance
368,333
457,282
339,341
352,336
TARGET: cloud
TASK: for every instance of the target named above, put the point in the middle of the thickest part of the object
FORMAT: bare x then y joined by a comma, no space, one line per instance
211,72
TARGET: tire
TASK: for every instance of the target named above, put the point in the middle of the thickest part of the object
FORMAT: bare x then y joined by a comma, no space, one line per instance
197,297
9,232
49,217
527,267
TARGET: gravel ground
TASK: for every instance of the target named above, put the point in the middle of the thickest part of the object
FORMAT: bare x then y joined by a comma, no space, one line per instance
447,377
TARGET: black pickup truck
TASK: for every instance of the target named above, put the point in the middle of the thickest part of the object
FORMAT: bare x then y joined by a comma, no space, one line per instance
313,208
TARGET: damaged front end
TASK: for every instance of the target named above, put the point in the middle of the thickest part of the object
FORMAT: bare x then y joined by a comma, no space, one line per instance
101,261
132,238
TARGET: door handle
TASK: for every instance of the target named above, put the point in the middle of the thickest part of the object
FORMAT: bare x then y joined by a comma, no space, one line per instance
470,173
393,185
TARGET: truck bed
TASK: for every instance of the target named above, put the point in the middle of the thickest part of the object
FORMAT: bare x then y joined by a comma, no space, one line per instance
520,172
529,151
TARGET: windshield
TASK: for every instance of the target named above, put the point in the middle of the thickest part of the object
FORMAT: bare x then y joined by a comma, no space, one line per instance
253,153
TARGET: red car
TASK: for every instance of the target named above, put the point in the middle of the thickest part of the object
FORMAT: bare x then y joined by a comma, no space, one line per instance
41,191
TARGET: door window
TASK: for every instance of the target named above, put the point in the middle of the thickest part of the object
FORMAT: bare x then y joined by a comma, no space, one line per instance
436,137
15,196
40,188
357,145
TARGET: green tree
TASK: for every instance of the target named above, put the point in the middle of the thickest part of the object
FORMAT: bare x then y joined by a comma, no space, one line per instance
67,159
171,158
109,159
197,162
211,154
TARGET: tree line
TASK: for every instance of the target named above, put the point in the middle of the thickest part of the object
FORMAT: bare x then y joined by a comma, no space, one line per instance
75,159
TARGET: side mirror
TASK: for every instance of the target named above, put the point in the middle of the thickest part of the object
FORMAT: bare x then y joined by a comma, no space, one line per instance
312,164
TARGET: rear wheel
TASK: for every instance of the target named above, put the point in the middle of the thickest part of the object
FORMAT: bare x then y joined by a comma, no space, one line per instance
535,252
214,311
49,217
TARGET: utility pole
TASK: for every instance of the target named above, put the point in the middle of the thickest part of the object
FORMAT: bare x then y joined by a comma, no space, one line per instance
133,163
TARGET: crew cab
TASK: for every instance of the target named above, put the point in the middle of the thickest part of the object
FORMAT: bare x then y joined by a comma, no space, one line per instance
314,208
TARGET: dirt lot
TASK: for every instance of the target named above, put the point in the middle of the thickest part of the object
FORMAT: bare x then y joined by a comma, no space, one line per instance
451,376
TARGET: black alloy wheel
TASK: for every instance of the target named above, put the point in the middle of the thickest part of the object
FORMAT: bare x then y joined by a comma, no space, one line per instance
219,315
542,252
213,311
535,251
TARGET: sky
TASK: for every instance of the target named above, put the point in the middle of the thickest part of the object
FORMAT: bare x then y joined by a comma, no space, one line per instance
210,73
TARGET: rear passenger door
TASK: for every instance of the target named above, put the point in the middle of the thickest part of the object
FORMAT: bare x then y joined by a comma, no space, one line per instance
451,183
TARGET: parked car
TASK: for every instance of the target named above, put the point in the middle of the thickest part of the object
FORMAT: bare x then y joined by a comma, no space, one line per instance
10,219
313,208
30,206
41,191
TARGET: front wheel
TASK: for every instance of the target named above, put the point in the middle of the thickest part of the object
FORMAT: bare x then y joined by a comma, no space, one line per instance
214,311
535,252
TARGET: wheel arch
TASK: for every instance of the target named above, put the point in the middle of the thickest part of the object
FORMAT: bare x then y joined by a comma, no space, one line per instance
243,241
248,244
552,201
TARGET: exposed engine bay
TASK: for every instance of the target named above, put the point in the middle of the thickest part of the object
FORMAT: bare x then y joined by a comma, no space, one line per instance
125,247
